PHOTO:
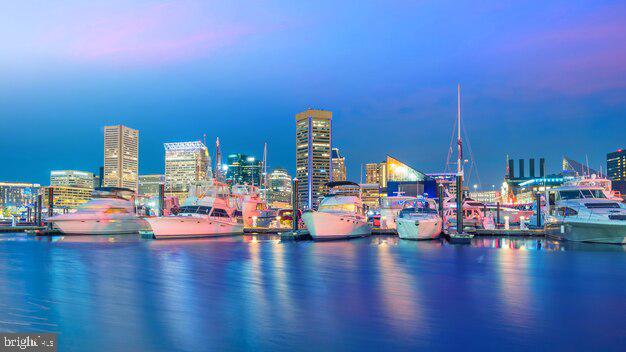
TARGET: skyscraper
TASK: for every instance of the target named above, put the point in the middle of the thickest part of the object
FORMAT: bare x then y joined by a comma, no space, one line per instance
313,148
72,178
616,165
279,191
185,163
339,165
121,157
242,168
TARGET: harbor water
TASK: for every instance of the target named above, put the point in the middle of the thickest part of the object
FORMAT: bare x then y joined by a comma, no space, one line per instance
116,293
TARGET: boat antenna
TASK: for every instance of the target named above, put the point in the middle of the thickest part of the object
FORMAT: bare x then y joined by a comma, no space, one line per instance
459,160
264,181
218,160
587,163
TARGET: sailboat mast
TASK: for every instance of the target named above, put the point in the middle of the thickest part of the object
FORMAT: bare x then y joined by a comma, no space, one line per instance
459,161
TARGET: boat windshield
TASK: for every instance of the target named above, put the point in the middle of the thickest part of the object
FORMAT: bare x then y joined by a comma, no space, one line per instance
406,211
581,194
194,209
349,208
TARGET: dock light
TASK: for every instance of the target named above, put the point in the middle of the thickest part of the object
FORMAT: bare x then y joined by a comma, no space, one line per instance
254,218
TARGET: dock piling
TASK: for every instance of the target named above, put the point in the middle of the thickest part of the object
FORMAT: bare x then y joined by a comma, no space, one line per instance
538,195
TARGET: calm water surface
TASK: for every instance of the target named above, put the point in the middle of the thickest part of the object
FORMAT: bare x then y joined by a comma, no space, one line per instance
256,293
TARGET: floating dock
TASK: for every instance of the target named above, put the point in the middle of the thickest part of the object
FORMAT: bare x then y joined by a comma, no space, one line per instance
20,228
510,232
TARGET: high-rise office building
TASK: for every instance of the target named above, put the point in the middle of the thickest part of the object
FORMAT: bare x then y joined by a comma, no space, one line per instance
244,169
149,184
72,178
313,148
339,165
279,190
616,165
121,157
185,163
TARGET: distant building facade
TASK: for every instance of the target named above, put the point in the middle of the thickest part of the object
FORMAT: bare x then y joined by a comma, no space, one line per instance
313,155
185,163
244,169
616,165
121,157
16,196
149,185
375,173
72,178
66,198
338,165
279,192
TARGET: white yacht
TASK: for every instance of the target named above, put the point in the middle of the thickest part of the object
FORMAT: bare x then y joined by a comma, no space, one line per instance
338,216
111,211
390,208
585,214
209,210
419,220
473,212
252,206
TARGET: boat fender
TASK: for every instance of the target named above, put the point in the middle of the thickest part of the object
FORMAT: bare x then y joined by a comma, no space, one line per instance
417,223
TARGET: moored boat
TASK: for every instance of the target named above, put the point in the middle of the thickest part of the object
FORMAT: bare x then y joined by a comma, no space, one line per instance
419,220
209,210
338,216
111,211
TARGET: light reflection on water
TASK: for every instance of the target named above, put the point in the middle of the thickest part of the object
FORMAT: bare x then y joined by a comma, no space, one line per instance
255,292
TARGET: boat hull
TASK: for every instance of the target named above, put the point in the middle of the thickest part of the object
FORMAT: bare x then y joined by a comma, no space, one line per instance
192,227
328,226
419,229
101,226
597,232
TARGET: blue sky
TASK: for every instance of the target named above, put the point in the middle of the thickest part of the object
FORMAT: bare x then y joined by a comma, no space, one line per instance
538,79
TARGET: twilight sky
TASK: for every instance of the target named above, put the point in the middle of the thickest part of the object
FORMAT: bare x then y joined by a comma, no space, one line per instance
539,79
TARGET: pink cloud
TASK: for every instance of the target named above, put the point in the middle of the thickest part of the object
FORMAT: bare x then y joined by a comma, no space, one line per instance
159,33
578,59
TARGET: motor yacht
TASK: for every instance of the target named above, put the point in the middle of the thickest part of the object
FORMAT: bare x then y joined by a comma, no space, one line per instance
111,211
473,212
209,210
419,220
585,214
339,216
252,206
390,208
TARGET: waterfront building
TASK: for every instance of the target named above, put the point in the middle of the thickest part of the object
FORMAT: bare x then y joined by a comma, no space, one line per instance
394,177
72,178
243,169
313,155
15,197
121,157
149,185
185,163
279,192
338,165
616,165
66,198
572,168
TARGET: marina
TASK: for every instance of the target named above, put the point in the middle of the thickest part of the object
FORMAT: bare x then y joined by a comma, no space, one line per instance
258,292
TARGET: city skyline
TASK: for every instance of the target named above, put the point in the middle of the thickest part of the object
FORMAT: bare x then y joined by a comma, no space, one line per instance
536,78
